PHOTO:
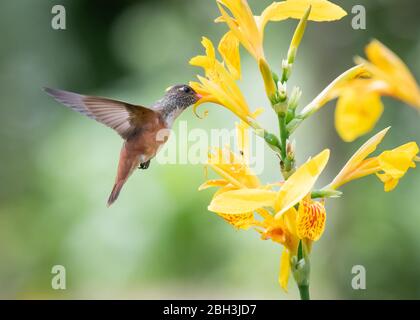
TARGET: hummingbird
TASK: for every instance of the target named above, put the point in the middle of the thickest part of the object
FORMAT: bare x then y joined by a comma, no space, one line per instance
139,126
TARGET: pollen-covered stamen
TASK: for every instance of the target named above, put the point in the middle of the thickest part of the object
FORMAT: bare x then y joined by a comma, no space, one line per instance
310,220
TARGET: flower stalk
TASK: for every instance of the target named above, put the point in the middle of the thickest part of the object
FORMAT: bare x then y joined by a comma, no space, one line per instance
301,270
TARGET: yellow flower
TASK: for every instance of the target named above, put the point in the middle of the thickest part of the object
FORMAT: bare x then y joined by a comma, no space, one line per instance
291,192
241,196
219,86
359,91
235,172
249,30
389,166
386,66
359,106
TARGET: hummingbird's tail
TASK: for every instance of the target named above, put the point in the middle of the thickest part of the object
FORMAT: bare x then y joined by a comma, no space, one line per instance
115,192
129,161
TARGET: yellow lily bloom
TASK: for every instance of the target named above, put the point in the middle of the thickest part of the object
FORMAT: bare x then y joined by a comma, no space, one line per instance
249,29
219,85
389,166
235,172
241,196
359,91
385,65
359,106
291,192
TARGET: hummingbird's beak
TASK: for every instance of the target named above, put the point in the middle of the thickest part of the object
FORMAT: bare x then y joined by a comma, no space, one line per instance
199,96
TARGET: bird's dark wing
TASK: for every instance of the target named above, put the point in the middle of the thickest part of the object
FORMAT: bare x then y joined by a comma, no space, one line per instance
123,117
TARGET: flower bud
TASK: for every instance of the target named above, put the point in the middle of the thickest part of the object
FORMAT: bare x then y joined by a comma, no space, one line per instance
297,36
270,86
294,98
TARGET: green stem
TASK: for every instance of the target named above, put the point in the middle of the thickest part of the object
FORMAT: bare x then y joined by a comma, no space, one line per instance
304,292
283,136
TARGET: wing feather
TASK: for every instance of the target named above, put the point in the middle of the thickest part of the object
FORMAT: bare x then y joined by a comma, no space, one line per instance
123,117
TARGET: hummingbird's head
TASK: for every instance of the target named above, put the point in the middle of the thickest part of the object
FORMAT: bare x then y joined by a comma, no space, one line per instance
181,96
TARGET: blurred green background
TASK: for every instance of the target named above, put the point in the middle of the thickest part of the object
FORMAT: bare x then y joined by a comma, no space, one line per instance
159,240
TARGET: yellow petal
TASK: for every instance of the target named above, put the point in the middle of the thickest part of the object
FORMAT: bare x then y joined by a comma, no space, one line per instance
362,153
240,221
395,72
284,269
310,220
395,163
243,25
237,31
322,10
357,112
389,182
225,163
206,62
225,98
213,183
200,61
242,201
289,220
208,45
300,183
229,50
267,75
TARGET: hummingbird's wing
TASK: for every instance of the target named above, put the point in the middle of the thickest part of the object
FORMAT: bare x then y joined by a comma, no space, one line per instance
123,117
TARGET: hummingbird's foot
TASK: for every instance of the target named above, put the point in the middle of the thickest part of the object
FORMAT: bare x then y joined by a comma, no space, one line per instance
144,165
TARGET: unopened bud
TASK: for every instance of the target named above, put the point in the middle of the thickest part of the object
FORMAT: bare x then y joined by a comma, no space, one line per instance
294,98
270,86
297,36
325,193
290,149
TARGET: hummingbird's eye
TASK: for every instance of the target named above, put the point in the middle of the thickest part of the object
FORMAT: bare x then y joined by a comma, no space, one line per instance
186,89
